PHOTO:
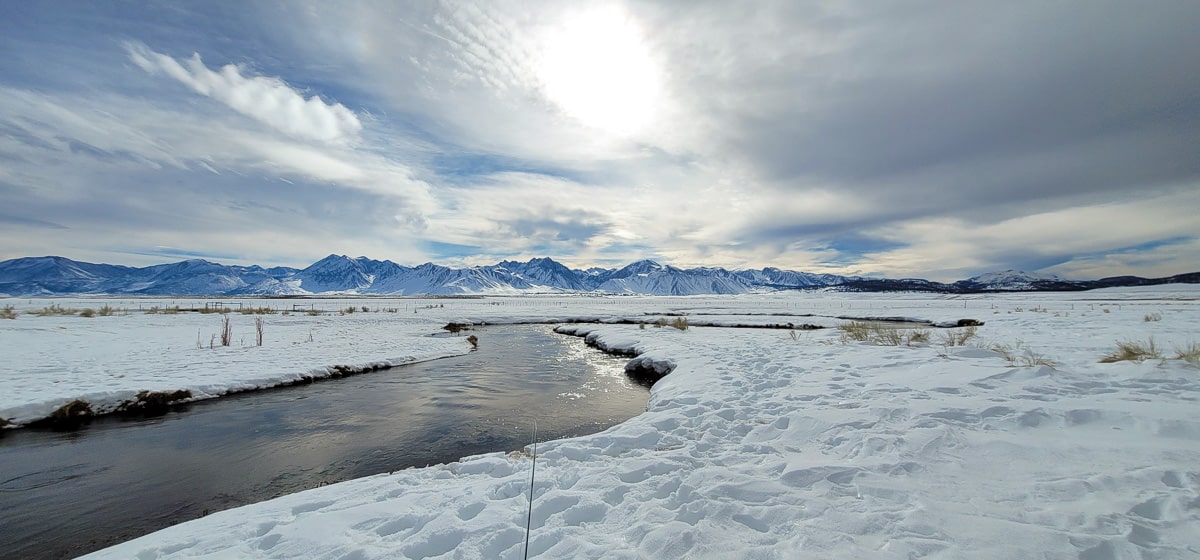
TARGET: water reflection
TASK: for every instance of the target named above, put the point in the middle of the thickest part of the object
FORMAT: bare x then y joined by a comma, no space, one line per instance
64,494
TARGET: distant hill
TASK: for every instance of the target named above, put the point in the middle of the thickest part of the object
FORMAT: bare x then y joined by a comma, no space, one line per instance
340,274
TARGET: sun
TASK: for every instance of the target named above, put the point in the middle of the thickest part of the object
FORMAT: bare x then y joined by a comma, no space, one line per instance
596,68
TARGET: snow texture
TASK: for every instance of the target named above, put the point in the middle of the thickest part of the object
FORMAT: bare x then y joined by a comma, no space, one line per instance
761,443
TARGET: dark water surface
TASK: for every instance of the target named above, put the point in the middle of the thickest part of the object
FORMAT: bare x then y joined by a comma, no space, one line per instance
63,494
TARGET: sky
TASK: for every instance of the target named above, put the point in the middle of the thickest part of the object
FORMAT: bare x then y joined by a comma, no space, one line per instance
905,139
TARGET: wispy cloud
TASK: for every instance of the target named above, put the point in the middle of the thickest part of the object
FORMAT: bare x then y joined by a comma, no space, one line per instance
266,99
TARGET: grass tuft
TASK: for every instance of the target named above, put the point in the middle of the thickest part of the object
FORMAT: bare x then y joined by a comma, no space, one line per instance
1133,351
54,309
8,312
1189,353
918,336
680,323
89,312
858,331
959,337
864,331
256,311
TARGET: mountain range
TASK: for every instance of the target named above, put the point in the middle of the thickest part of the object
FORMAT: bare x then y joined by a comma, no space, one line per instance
339,274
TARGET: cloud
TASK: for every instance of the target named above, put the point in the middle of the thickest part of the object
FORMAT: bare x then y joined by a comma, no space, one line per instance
948,248
857,137
267,100
162,172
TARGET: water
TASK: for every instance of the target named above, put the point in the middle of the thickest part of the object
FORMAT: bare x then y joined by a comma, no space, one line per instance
63,494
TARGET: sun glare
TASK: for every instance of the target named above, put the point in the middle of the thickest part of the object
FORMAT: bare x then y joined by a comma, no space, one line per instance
597,69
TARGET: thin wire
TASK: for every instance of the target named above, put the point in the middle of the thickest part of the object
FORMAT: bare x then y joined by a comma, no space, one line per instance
532,473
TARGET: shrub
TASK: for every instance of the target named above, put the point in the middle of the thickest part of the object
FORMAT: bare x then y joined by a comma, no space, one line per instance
1132,351
365,309
226,333
1152,317
474,340
87,313
105,311
680,323
349,310
8,312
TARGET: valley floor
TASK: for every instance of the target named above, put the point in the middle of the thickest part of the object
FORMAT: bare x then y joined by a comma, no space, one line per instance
762,443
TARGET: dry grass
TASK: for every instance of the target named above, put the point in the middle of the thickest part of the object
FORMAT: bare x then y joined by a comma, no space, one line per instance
226,332
680,323
54,309
918,336
864,331
858,331
959,337
89,312
1189,353
8,312
256,311
887,337
106,311
1133,351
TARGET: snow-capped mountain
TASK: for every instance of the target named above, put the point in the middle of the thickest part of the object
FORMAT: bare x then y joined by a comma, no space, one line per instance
339,274
435,279
53,275
651,278
336,273
1011,280
546,273
771,277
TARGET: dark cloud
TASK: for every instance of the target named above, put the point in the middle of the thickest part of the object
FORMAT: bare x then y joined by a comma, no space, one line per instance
974,103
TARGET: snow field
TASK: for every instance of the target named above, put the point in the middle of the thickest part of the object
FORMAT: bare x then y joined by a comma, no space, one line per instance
51,361
761,446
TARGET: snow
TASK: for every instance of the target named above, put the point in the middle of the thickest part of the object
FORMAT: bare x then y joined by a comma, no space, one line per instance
759,444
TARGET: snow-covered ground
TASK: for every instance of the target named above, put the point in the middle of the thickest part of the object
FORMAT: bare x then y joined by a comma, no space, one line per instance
761,443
